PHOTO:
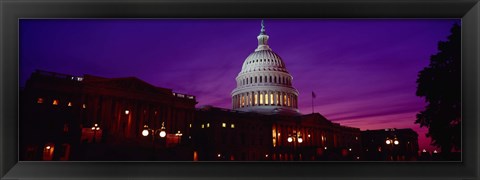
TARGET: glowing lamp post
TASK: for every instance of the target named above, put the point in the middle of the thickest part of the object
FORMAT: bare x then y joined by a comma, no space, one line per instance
161,132
95,128
296,138
392,143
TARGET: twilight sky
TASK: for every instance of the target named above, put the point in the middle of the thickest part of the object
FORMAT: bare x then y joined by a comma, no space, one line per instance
363,71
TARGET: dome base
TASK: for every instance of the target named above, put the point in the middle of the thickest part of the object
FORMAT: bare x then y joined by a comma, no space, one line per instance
270,110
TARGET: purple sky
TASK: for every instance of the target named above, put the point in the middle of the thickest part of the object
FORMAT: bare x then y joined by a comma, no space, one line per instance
362,71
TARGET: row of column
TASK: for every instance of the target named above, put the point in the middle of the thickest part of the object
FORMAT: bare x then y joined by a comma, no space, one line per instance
265,79
264,98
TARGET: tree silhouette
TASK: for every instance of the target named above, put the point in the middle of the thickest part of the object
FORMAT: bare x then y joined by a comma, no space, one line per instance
440,84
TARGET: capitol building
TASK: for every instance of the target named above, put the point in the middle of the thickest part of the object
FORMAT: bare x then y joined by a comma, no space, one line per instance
88,117
264,84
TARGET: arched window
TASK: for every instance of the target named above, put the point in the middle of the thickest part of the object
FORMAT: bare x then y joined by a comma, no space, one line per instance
270,78
243,83
251,80
275,79
261,98
283,80
255,79
266,98
242,101
260,79
277,94
271,98
288,100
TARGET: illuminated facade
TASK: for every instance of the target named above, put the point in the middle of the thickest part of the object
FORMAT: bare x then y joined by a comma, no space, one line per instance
61,115
223,135
264,84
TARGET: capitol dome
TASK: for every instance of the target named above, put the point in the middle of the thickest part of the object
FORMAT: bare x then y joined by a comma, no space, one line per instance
264,84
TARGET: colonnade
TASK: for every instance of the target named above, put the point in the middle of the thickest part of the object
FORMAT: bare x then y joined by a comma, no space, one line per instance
264,98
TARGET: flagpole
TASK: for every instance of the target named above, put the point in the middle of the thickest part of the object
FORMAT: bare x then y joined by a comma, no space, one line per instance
312,105
312,101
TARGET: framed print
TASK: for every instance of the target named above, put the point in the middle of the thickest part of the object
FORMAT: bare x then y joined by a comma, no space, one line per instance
312,89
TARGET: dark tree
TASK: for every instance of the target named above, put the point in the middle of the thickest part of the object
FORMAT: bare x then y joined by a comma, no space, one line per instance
440,84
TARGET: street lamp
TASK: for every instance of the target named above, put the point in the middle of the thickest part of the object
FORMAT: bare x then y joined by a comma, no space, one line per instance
393,142
179,136
396,141
95,128
146,131
161,132
296,138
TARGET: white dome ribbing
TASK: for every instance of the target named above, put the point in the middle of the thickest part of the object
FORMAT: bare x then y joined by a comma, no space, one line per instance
264,84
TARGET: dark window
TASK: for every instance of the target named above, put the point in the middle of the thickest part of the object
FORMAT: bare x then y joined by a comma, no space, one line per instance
242,138
255,79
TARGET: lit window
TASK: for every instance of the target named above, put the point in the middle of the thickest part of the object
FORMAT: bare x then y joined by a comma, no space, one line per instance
203,126
40,100
250,100
278,98
243,100
261,99
55,102
232,126
208,125
190,125
84,106
224,124
69,104
266,98
271,98
127,112
256,99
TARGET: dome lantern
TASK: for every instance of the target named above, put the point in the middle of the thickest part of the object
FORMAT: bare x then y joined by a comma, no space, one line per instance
262,39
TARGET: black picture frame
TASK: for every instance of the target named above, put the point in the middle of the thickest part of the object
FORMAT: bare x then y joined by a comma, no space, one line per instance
11,11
